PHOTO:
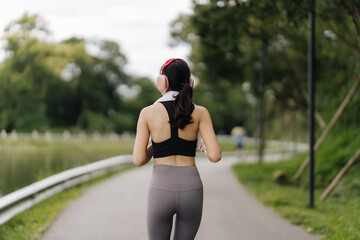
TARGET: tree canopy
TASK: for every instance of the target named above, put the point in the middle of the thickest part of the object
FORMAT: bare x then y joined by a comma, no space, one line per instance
81,83
46,84
226,37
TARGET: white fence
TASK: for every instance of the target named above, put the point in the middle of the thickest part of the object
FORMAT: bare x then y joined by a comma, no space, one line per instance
25,198
271,145
66,135
95,136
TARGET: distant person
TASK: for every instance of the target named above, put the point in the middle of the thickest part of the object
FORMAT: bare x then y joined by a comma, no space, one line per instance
238,134
173,122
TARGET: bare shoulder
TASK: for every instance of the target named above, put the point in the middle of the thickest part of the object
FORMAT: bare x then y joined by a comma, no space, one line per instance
201,111
200,108
146,111
151,110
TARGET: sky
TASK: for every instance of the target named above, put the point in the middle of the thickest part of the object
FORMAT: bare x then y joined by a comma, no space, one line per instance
141,27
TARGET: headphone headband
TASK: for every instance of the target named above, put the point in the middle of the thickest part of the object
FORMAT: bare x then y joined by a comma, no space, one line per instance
167,63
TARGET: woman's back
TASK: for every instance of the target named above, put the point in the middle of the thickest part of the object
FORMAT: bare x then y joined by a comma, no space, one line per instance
159,125
160,130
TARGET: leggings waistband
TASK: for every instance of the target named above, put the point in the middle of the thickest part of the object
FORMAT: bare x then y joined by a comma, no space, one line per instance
175,178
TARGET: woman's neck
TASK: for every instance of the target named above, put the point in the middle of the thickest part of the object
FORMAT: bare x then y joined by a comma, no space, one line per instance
168,96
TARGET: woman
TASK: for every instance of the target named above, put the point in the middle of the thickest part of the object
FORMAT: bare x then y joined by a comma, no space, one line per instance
173,123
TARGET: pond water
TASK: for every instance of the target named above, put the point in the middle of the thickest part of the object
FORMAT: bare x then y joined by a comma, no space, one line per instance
27,161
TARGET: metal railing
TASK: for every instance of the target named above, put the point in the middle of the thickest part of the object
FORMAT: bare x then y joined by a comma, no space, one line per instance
24,198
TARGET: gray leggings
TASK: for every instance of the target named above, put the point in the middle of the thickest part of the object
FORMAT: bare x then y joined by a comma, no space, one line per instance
174,190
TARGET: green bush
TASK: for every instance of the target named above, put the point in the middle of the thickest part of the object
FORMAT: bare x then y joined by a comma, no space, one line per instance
33,117
97,122
124,122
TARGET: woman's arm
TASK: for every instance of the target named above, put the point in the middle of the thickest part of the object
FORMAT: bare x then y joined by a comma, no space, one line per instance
212,148
142,153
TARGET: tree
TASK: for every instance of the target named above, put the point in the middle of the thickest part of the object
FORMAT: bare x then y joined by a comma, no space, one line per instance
226,37
95,79
25,75
47,84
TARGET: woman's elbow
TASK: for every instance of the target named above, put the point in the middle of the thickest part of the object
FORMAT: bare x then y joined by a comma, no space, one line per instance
138,161
214,157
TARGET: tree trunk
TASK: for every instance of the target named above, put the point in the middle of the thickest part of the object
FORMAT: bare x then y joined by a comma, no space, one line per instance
84,104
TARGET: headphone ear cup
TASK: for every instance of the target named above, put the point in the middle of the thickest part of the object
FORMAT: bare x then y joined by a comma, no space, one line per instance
162,83
191,81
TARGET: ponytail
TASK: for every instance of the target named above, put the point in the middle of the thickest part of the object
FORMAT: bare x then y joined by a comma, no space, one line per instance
183,107
178,74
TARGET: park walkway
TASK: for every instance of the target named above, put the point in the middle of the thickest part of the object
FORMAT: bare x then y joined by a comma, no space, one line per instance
116,209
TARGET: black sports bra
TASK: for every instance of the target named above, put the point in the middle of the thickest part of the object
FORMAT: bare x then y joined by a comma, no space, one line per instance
173,145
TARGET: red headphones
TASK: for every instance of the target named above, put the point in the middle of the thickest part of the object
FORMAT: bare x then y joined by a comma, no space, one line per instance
162,81
167,63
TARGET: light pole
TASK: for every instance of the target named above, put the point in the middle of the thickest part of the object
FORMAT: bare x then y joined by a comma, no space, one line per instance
262,101
311,86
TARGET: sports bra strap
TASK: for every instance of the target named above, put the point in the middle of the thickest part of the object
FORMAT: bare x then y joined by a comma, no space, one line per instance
170,111
173,145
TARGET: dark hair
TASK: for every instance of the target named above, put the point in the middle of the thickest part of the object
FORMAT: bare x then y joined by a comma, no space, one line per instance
178,74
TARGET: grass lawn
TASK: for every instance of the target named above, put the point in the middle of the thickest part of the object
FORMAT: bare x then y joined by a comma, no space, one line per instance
336,218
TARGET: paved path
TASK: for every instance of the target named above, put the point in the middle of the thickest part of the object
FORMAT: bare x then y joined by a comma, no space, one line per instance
116,209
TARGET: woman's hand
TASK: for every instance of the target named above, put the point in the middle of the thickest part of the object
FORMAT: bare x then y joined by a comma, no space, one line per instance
203,147
149,152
